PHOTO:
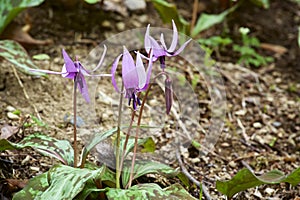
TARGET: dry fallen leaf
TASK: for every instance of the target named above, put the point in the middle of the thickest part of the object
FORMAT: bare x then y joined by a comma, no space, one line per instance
7,131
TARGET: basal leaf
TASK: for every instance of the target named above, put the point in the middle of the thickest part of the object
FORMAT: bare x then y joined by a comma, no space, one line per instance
143,167
66,182
59,149
96,140
35,187
205,21
130,144
14,53
149,191
245,179
10,9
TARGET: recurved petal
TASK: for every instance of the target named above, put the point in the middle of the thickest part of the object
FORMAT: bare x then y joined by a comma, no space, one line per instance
129,72
149,70
180,49
156,48
66,74
175,38
69,64
113,72
162,41
141,72
81,83
102,58
147,42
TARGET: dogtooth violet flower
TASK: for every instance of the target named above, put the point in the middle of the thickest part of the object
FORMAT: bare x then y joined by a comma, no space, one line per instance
134,75
160,50
75,70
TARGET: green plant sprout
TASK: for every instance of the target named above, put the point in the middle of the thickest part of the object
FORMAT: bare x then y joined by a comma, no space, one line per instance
248,54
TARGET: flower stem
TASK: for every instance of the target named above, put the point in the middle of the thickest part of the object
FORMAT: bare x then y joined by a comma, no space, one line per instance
118,170
136,135
126,139
74,120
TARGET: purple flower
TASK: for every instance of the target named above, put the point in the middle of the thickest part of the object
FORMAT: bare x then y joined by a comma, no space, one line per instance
134,75
161,50
75,70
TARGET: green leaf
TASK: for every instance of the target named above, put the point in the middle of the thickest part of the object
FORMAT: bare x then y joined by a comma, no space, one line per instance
35,187
245,179
41,56
149,146
143,167
66,182
14,53
59,149
10,9
92,1
262,3
150,191
130,144
168,11
206,21
97,138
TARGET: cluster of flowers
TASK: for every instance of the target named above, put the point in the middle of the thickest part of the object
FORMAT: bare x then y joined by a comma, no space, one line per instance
134,76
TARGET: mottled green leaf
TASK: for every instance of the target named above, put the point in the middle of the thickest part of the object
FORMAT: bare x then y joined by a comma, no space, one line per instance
97,138
245,179
149,191
66,182
206,21
35,187
10,9
59,149
143,167
14,53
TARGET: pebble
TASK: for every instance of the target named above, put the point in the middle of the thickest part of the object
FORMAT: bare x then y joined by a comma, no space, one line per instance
241,112
135,5
269,191
106,24
225,144
12,116
120,26
143,18
232,164
257,125
10,109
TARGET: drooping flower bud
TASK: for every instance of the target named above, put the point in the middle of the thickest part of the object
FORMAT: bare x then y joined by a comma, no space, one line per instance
168,95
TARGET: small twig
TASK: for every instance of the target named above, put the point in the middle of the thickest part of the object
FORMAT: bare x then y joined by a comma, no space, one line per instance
245,136
190,177
25,93
194,16
245,164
